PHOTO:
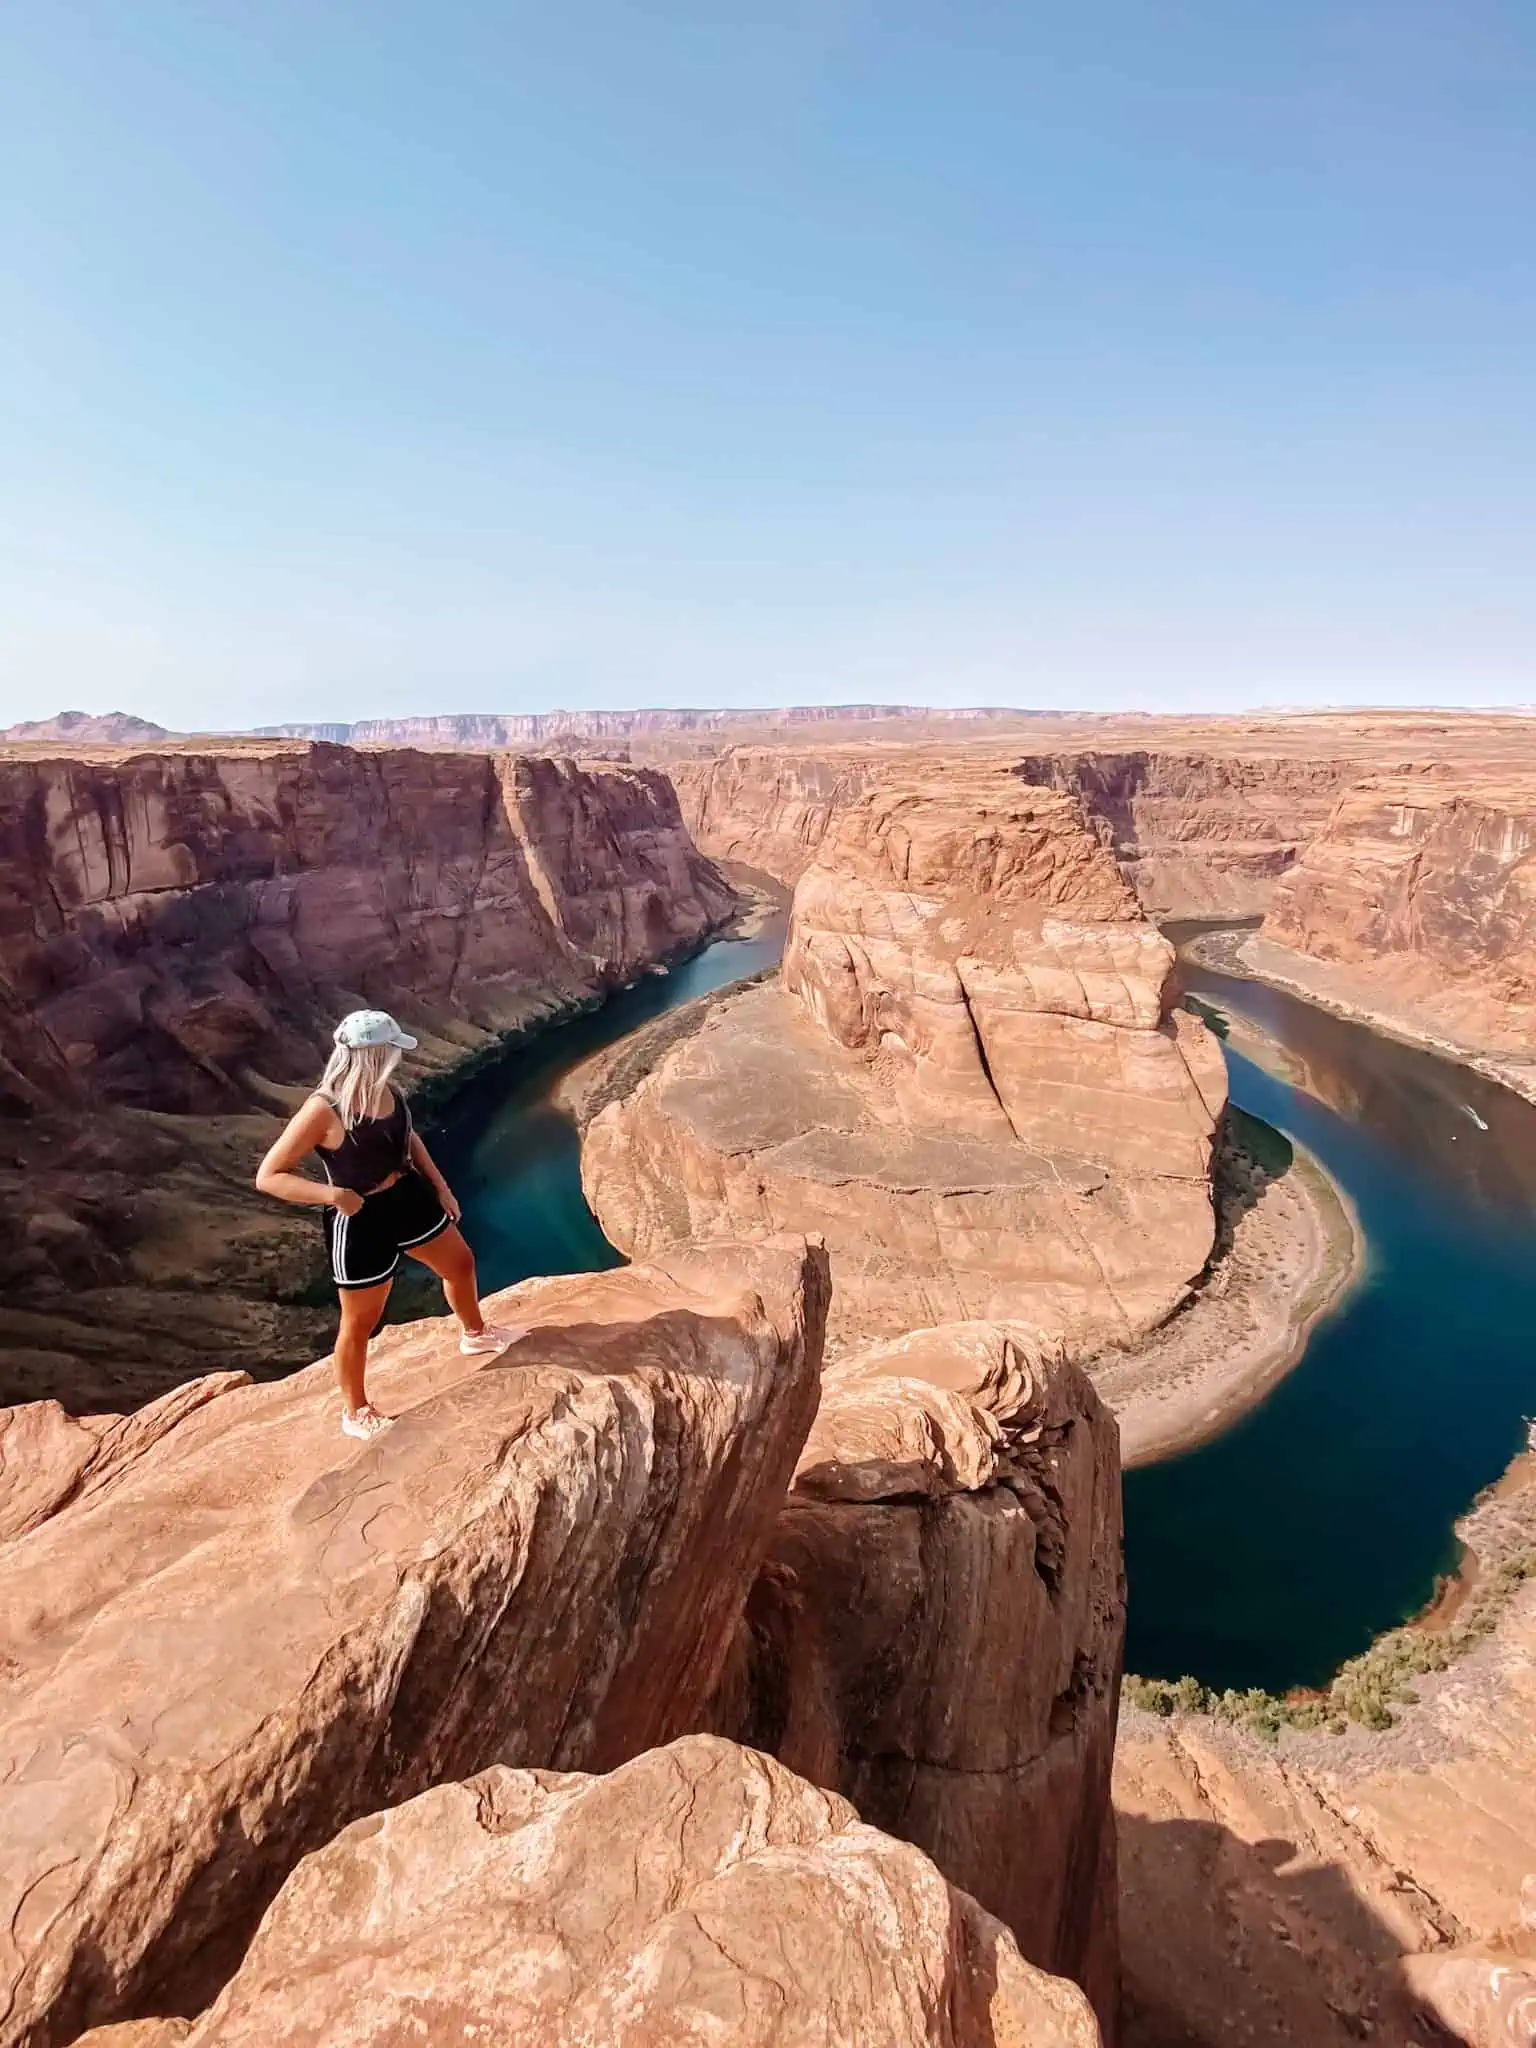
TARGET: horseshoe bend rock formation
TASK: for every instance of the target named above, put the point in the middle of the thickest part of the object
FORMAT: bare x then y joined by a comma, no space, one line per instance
700,1894
1418,905
937,1632
179,931
228,1637
969,1081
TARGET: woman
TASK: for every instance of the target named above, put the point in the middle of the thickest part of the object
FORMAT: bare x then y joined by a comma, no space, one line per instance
382,1195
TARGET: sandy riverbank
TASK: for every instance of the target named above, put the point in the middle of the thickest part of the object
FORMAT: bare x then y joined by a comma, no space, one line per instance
1289,1246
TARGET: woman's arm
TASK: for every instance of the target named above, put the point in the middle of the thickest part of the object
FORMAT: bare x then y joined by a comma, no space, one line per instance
276,1176
422,1159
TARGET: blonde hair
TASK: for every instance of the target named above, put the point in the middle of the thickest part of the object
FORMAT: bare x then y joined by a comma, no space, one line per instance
355,1078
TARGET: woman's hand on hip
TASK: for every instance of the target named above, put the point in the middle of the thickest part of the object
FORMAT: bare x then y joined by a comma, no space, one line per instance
450,1202
346,1201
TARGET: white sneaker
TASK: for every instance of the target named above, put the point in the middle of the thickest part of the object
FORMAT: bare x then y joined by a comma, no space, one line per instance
494,1337
364,1422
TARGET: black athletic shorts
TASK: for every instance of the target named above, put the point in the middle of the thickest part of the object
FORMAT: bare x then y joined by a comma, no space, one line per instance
365,1249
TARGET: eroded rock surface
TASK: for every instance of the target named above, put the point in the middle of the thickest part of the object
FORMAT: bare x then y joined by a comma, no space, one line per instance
230,1636
179,931
175,921
970,1081
1204,815
1417,906
937,1631
700,1896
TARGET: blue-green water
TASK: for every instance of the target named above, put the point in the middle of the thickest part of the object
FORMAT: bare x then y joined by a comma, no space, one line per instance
1270,1555
513,1157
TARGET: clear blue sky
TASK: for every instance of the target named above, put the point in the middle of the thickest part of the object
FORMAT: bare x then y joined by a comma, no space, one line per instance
373,358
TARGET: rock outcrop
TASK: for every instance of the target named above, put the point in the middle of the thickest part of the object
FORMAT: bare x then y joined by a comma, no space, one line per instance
698,1897
1417,905
937,1632
228,1632
971,1081
179,931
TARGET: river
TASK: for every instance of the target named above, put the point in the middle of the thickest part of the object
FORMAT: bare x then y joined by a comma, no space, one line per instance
1273,1553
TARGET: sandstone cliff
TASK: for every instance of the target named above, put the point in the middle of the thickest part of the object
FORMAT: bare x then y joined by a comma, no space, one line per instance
179,931
173,922
699,1897
1204,815
1205,834
937,1632
1417,905
971,1081
228,1632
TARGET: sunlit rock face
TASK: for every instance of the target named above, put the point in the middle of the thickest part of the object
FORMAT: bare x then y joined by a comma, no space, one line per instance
1422,892
970,1079
172,922
937,1631
699,1895
228,1630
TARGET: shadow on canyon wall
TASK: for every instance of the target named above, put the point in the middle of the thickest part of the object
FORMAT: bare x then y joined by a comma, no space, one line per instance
1229,1941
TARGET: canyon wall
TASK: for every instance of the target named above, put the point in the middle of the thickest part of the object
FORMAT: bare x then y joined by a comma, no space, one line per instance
179,932
172,921
1205,834
1202,833
1417,905
971,1080
1204,815
937,1632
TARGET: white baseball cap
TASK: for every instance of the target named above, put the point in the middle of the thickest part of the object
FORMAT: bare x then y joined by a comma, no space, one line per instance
372,1027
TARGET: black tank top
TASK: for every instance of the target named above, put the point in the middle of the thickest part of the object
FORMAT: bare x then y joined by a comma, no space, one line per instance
371,1151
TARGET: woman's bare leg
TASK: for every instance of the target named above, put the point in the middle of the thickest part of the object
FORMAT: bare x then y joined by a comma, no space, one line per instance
361,1308
451,1259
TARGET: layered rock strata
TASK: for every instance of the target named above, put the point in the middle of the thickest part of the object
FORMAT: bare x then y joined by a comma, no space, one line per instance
1417,906
179,931
1203,815
228,1632
176,923
699,1895
970,1081
937,1632
1205,834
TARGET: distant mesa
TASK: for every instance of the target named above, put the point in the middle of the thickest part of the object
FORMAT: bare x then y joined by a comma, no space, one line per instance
539,728
86,728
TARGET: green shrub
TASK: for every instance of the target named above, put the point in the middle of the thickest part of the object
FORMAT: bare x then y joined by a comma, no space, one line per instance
1364,1690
